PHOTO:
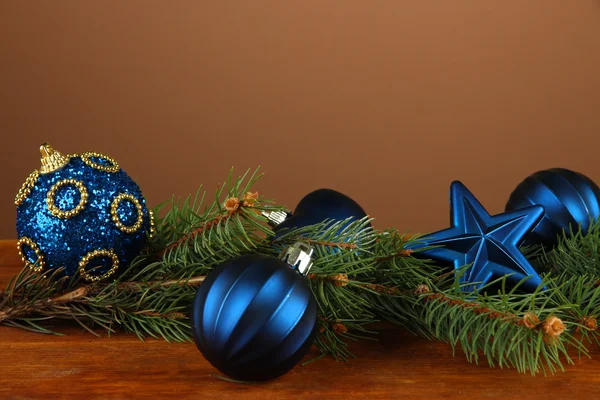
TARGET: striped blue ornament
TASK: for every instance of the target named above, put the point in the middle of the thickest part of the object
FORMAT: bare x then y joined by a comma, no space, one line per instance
570,199
321,205
254,317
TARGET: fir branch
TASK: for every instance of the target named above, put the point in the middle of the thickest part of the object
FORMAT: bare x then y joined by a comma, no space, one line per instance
359,276
531,332
84,291
505,327
196,237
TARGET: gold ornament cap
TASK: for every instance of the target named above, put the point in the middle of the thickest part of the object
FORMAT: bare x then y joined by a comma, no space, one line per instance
51,159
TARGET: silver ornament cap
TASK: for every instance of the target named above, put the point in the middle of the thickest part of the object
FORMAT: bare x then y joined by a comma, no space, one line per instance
299,256
275,217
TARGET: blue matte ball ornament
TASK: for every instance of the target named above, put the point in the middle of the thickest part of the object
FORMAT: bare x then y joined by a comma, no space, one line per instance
83,213
320,205
569,198
254,317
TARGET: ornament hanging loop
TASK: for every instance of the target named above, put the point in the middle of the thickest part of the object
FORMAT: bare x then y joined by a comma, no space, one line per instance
299,256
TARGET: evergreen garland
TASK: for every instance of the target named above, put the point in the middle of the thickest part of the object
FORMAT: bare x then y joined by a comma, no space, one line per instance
360,275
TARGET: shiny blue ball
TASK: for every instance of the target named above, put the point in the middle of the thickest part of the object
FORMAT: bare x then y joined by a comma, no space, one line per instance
569,198
320,205
85,215
254,317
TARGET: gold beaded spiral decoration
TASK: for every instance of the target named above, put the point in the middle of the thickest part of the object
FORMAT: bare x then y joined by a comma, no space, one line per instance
98,253
87,159
115,216
50,199
39,263
27,187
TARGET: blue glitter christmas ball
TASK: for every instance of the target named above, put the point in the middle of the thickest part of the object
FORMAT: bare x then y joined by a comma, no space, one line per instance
83,213
569,198
320,205
254,317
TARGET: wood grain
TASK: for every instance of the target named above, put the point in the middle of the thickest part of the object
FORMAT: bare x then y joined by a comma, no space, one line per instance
399,365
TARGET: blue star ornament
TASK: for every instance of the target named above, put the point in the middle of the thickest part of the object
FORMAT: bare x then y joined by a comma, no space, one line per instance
488,243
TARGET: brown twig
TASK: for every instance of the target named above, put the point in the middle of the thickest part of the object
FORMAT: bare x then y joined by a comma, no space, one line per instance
552,326
337,279
206,226
82,292
63,298
332,244
194,281
379,288
474,307
342,280
169,315
233,205
337,326
401,253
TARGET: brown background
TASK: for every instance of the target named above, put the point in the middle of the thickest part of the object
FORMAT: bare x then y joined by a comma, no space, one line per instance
387,101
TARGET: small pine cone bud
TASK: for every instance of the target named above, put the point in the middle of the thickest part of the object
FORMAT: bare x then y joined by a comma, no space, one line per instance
340,280
406,252
422,289
339,328
232,204
553,327
530,320
249,199
590,323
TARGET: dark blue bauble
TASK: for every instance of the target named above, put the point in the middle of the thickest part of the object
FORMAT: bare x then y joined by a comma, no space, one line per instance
254,317
320,205
569,198
84,214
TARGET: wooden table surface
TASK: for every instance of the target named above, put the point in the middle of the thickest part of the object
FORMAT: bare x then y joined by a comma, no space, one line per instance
399,365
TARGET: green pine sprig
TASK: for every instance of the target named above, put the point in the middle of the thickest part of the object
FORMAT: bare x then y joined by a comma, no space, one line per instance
360,275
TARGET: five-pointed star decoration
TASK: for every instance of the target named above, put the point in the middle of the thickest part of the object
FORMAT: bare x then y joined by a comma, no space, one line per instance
489,243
